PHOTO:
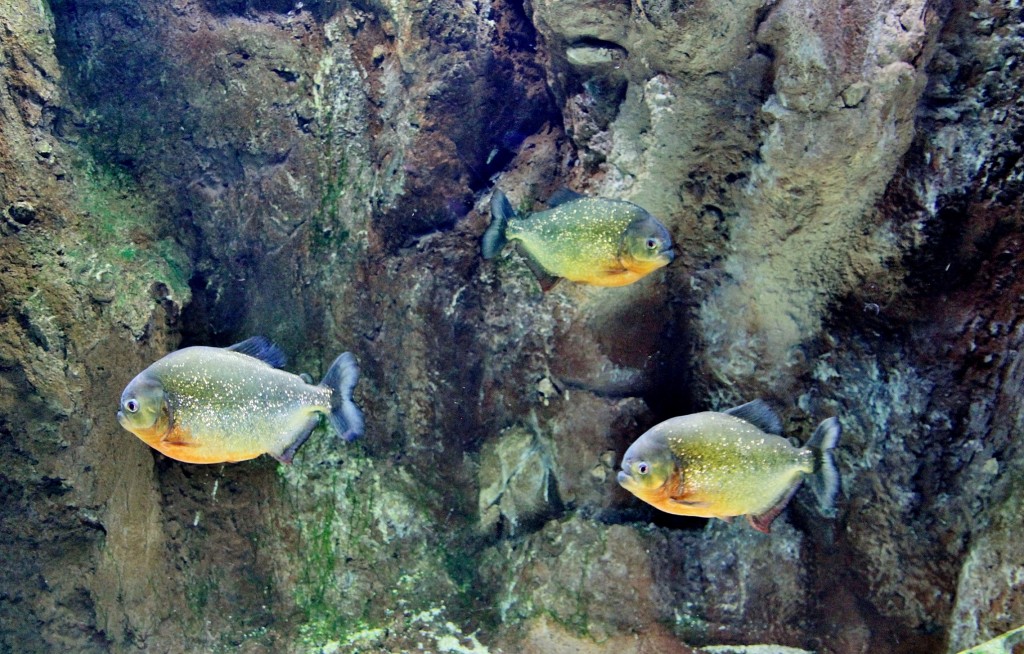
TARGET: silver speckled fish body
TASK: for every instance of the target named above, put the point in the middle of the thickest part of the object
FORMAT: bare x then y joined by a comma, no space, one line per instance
730,466
233,405
588,240
579,240
214,405
720,465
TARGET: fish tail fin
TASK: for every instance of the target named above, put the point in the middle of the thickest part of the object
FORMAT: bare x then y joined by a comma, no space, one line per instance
494,238
345,417
825,480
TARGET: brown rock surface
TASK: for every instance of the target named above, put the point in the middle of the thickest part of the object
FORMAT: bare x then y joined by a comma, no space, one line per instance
844,181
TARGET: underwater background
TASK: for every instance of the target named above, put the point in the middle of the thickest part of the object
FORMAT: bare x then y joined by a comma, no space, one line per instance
843,179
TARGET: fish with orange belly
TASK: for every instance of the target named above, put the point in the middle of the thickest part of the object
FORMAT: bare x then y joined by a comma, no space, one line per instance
594,241
217,405
720,465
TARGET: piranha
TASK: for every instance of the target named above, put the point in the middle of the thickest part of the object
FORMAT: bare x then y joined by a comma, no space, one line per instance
589,240
218,405
720,465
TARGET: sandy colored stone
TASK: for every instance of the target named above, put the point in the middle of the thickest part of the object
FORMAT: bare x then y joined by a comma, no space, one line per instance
990,580
516,481
544,636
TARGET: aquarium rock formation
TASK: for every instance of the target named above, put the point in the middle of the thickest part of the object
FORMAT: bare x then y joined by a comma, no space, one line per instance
843,180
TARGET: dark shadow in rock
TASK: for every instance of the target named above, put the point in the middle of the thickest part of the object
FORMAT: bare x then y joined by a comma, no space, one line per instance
250,7
648,515
480,108
210,318
217,539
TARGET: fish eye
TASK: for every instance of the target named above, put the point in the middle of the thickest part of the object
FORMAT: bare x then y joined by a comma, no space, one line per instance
642,468
132,405
652,243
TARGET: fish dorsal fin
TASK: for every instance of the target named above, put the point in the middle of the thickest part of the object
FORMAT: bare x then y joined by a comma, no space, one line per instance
758,413
562,196
260,347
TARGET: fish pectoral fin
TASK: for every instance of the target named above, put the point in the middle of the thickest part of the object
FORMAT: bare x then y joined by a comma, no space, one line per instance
763,522
617,267
179,443
179,438
548,283
694,503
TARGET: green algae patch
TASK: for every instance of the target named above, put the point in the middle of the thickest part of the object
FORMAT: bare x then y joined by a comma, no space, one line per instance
121,249
344,176
366,558
426,630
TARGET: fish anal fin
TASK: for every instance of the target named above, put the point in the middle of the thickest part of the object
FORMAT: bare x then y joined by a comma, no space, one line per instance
260,347
546,280
563,196
763,522
301,436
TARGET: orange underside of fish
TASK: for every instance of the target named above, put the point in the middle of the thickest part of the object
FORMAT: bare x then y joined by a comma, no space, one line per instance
630,273
688,504
179,444
200,454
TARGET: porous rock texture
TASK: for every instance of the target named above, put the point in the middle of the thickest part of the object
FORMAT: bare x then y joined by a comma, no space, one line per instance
843,179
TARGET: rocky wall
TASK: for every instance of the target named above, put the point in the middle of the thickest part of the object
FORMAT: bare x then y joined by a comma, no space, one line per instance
844,183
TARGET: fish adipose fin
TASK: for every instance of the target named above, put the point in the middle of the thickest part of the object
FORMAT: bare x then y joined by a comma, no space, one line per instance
563,196
300,437
260,347
760,414
345,417
825,480
494,238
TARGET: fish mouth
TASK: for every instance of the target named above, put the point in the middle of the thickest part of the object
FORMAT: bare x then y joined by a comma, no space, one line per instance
626,480
670,253
120,418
